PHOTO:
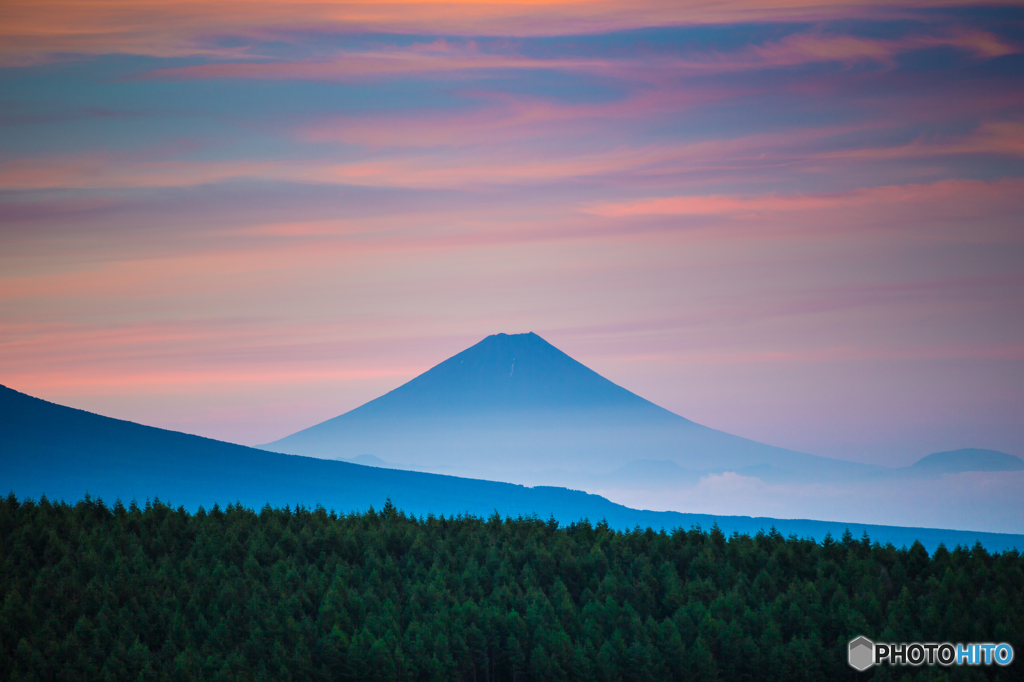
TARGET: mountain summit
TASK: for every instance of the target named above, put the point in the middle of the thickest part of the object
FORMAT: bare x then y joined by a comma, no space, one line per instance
514,404
507,373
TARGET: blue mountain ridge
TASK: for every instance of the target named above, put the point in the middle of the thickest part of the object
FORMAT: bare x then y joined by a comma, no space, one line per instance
65,453
967,459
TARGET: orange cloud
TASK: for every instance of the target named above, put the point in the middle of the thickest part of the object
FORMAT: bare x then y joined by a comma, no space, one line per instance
713,205
131,357
809,48
729,205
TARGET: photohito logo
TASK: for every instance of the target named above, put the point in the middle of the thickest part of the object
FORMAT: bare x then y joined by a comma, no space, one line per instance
863,653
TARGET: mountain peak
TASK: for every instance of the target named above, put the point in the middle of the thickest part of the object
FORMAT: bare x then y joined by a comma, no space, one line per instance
508,397
507,372
522,340
513,341
515,403
523,335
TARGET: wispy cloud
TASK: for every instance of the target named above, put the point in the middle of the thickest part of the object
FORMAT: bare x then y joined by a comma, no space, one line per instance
38,30
450,58
437,57
773,203
481,163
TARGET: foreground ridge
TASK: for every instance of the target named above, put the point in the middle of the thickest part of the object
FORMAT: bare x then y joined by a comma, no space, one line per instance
162,593
66,453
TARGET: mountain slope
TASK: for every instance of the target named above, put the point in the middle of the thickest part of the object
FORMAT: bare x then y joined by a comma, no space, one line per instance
65,453
515,404
510,373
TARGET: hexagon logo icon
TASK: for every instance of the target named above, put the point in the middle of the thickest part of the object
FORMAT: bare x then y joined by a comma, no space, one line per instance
862,653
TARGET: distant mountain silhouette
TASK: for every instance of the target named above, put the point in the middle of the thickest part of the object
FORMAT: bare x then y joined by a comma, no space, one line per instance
967,459
65,453
514,403
371,461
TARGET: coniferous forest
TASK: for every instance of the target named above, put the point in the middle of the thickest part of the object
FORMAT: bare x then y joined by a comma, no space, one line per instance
92,592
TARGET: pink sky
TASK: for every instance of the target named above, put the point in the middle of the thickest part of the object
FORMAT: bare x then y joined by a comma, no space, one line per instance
799,223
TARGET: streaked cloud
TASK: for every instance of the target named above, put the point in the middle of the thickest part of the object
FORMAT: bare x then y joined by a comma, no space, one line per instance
863,198
480,163
450,58
35,30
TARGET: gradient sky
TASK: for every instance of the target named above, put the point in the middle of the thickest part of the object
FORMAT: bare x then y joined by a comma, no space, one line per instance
800,223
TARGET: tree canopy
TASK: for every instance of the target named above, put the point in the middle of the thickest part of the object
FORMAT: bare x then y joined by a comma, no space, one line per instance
98,592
